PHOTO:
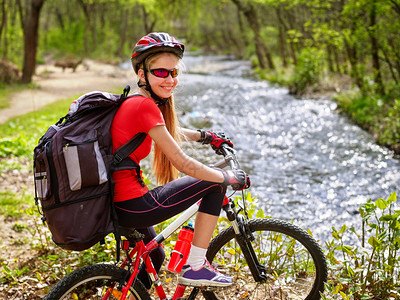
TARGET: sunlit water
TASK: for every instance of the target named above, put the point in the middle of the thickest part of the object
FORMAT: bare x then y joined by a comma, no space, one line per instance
307,163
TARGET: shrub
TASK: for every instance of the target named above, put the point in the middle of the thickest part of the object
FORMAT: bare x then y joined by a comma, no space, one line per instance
307,72
371,269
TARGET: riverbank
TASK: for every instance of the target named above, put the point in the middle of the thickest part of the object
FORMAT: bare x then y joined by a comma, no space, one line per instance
380,116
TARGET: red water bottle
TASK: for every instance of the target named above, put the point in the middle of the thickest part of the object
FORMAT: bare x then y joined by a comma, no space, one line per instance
181,250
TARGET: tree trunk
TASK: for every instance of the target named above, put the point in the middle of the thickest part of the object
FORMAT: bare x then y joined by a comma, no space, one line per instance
124,28
3,16
375,50
3,27
86,11
396,54
286,28
148,26
262,50
242,29
30,22
352,55
337,61
395,6
282,45
60,19
329,58
390,65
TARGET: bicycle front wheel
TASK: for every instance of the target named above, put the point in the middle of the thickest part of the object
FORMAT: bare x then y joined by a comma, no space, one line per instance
92,282
294,264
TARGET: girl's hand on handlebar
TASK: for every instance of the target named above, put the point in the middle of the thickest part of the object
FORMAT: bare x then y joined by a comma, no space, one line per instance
216,139
238,179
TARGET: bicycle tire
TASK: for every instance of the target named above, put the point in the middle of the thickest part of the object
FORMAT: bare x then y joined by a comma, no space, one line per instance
90,282
295,264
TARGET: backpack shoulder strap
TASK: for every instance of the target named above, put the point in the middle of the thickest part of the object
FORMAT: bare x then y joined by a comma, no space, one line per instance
123,152
121,161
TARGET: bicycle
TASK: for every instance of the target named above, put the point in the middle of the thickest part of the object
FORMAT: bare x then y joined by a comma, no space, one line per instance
267,258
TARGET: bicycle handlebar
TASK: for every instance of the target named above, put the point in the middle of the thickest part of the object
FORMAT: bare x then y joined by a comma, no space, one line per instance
229,158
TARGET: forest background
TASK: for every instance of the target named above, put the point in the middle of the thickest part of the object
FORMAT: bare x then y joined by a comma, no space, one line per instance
312,46
348,49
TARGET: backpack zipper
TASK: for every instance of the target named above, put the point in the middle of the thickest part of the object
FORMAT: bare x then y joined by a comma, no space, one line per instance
53,172
80,143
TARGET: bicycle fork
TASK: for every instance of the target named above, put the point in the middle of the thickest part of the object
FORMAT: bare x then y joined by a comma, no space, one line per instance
244,237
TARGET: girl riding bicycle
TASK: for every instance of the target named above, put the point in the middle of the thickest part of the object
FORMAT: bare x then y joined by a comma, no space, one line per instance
155,60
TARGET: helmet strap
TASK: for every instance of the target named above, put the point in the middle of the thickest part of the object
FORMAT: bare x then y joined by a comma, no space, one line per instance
141,84
159,101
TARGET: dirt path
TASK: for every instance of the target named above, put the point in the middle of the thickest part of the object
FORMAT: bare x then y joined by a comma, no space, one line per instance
54,84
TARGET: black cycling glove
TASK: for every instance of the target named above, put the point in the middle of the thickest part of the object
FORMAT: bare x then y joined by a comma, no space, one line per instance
238,179
215,139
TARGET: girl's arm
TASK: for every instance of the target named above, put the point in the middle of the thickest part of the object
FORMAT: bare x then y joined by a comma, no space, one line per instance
179,159
189,134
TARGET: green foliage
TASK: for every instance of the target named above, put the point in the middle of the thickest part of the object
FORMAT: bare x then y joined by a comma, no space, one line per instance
13,48
378,114
281,76
71,43
389,126
307,72
370,270
10,276
362,109
101,29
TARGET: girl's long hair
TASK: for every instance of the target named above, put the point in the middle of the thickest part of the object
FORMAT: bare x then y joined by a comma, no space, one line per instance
163,169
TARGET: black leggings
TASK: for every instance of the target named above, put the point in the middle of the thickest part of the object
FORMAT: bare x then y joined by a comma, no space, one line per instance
164,202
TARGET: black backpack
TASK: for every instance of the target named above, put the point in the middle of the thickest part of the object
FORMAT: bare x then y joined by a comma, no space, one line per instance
73,165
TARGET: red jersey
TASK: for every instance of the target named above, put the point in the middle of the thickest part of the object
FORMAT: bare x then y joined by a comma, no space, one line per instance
136,114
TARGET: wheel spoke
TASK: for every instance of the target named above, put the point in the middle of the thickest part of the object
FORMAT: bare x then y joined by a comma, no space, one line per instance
291,270
92,282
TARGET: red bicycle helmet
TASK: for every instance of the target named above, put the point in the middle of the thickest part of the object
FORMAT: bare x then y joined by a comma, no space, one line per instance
153,43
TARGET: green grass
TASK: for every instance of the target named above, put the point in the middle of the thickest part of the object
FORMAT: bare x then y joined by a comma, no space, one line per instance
32,122
20,134
380,116
18,137
13,205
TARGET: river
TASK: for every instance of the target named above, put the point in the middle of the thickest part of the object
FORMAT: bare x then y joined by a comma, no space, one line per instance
307,163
